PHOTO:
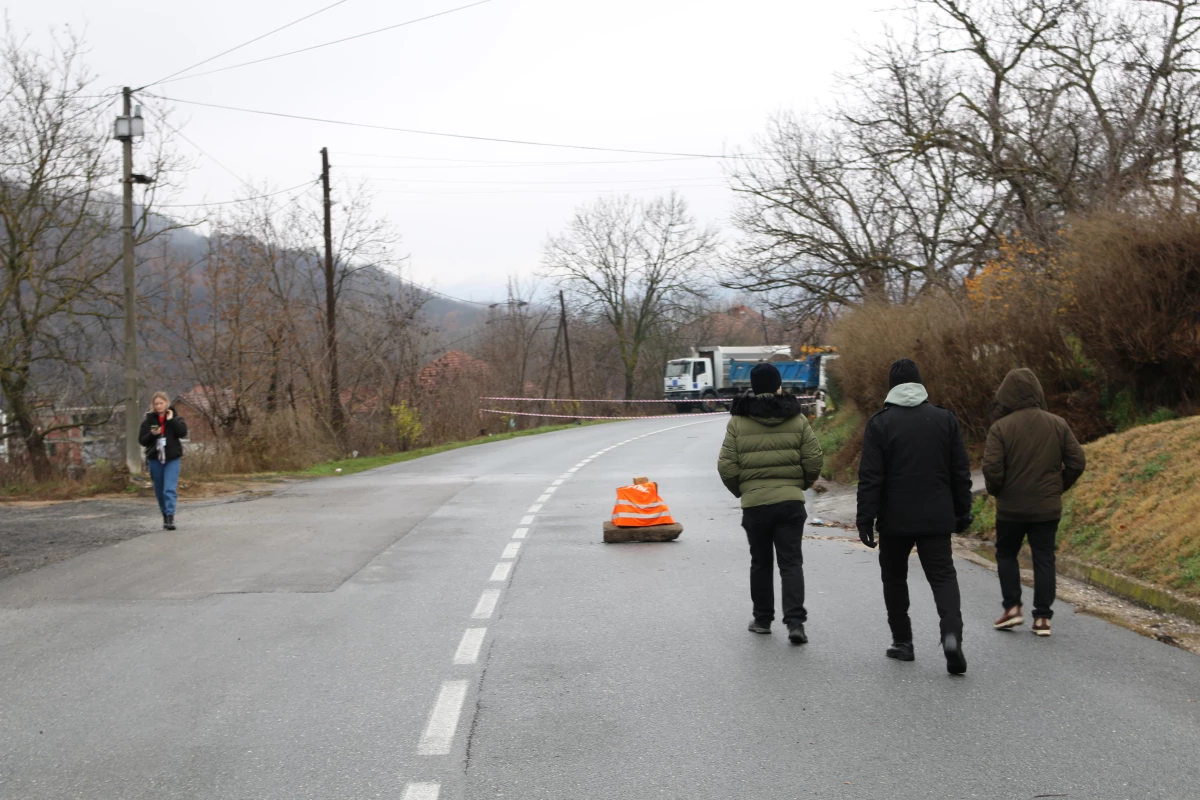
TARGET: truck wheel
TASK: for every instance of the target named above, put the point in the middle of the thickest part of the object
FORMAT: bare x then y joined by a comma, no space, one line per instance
708,403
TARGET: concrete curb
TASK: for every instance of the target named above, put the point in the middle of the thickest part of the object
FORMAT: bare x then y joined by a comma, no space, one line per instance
1122,586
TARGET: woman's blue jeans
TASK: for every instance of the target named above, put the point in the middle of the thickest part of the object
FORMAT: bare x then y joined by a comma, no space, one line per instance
166,481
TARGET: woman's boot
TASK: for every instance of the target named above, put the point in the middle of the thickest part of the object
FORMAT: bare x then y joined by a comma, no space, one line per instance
166,523
170,522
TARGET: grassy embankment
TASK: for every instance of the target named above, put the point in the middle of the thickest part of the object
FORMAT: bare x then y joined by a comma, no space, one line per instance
1136,508
840,435
103,482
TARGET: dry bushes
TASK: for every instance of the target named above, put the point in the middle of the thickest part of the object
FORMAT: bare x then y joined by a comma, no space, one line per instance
1136,303
277,442
963,349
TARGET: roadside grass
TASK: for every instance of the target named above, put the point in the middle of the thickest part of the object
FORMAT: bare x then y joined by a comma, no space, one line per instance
840,436
1135,509
106,482
349,466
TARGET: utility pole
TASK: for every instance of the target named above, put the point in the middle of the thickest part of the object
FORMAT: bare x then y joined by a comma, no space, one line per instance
126,128
336,417
562,307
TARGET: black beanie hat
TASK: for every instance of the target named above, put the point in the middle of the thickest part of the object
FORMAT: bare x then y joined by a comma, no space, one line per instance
903,371
764,379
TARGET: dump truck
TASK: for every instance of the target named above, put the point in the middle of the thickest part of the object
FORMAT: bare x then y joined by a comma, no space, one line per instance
712,376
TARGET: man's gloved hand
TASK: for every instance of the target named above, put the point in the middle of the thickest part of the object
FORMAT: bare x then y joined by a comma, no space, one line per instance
866,532
963,522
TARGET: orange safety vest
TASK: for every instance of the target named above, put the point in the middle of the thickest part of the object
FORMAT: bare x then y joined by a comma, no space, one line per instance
639,505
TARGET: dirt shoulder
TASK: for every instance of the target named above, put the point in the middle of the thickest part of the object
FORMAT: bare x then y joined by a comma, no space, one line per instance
37,533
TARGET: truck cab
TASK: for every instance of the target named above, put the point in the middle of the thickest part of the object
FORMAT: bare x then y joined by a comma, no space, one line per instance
689,379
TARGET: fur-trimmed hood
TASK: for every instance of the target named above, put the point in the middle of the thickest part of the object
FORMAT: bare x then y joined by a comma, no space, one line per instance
769,409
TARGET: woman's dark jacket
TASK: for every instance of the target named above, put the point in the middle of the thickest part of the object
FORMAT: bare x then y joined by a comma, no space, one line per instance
176,429
914,478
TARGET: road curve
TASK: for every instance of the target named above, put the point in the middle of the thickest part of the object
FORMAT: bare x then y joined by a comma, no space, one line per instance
452,628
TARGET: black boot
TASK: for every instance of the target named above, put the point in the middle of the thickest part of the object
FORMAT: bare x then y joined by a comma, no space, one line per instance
956,662
169,522
901,651
796,634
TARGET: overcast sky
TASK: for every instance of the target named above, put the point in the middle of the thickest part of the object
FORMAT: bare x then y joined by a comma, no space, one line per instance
680,76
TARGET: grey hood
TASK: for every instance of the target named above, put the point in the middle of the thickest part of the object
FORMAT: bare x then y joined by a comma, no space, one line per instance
907,394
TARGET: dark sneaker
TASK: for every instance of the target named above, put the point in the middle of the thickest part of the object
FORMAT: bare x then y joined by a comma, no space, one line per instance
1041,626
796,634
956,662
759,627
902,651
169,522
1010,619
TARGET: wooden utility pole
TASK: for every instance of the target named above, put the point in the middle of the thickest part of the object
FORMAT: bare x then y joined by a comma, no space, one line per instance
133,455
562,307
336,417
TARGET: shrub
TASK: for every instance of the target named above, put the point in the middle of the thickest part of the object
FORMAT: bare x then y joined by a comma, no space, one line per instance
408,424
1136,303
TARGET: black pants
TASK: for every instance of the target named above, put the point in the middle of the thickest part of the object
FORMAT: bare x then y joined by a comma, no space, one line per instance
776,529
937,560
1042,542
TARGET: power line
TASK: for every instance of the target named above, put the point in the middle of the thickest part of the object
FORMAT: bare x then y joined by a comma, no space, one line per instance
494,162
304,185
244,44
173,79
437,133
565,191
541,183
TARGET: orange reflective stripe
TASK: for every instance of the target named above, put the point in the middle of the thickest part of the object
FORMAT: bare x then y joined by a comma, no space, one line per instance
639,505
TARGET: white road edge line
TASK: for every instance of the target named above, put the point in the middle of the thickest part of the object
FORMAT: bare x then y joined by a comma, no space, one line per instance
486,605
511,550
500,573
438,737
468,648
520,533
550,490
543,498
422,791
558,482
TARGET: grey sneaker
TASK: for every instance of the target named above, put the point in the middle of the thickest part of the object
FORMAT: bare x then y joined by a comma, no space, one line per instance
759,627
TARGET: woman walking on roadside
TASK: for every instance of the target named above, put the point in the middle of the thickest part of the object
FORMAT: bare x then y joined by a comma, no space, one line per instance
160,435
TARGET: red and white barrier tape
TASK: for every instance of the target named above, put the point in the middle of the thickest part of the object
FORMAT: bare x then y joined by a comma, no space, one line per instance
680,400
579,416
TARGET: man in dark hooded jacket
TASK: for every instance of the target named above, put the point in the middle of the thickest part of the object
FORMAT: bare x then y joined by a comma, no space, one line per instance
769,457
914,487
1030,459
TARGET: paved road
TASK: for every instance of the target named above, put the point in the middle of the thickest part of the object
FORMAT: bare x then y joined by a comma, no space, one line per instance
315,644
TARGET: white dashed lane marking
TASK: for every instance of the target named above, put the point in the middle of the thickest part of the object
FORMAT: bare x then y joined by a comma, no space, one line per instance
500,573
422,791
486,604
520,533
468,648
511,550
438,737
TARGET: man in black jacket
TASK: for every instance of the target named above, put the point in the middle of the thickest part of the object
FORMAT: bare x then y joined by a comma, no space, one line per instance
914,487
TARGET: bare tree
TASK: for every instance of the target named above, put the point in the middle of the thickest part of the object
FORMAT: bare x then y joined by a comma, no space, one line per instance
59,235
632,264
976,119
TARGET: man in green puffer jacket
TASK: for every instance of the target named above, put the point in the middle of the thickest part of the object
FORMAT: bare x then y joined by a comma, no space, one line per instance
769,457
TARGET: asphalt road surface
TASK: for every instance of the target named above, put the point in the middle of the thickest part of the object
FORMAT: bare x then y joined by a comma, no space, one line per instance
452,628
